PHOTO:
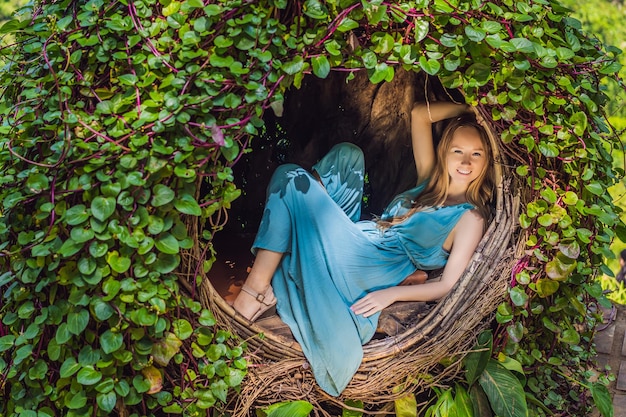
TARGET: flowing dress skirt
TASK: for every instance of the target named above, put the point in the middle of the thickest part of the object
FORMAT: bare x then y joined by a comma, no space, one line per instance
331,260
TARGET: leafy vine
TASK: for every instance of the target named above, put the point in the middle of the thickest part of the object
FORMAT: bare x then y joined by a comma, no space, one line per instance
116,112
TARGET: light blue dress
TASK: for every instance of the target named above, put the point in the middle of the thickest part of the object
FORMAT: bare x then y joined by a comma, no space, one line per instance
331,259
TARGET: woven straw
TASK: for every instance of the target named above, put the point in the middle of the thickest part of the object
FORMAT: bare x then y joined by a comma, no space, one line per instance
392,366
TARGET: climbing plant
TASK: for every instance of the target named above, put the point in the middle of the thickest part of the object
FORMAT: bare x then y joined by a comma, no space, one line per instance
116,113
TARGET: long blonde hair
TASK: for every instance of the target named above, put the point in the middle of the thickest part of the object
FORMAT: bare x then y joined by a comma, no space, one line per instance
479,191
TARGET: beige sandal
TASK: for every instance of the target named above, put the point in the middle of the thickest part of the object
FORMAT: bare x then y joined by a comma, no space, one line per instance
266,300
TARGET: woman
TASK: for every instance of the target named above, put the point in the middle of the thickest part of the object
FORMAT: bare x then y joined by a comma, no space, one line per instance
333,274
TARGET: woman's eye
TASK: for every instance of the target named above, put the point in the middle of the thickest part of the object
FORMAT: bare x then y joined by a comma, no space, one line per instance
477,154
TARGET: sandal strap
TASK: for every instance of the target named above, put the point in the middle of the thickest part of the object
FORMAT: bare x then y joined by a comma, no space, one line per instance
257,296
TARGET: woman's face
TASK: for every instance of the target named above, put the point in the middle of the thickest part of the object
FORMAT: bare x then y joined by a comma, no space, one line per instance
467,157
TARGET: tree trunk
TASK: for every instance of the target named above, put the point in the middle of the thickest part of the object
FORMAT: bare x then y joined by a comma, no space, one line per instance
325,112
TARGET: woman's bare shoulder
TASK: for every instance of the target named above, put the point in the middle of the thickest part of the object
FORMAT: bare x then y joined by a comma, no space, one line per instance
472,218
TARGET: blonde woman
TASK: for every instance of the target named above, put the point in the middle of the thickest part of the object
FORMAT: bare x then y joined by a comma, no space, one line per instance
332,274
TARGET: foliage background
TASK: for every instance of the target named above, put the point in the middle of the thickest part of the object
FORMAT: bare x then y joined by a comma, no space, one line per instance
81,243
604,20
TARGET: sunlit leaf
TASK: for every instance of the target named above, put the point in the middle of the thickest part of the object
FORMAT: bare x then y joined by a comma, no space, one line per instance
154,378
504,390
165,349
602,399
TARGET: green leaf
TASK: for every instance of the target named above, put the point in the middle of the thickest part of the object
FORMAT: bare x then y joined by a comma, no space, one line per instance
206,318
570,336
13,25
347,25
602,399
98,249
128,79
479,72
102,207
595,188
182,329
476,361
294,66
375,12
105,385
69,248
162,194
462,402
475,34
523,45
88,376
69,368
168,244
564,54
80,235
62,334
110,342
382,43
315,9
515,331
77,321
6,277
382,72
546,287
518,296
579,122
421,30
221,61
87,266
186,204
444,407
406,406
171,8
511,364
165,349
75,401
549,195
36,183
570,248
166,263
39,371
6,342
106,401
119,264
321,66
289,409
370,60
480,402
546,219
102,310
429,65
560,267
504,390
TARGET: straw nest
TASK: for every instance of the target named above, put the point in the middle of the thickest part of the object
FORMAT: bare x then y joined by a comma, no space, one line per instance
392,365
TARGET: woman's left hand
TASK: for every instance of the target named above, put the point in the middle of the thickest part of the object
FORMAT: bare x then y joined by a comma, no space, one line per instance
374,302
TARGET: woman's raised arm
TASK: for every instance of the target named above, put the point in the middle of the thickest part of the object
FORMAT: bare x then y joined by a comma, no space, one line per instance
423,116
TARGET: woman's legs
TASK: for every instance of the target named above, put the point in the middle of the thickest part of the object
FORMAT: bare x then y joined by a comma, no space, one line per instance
341,173
258,282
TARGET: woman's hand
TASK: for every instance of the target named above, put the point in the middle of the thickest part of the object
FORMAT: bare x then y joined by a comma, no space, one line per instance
375,301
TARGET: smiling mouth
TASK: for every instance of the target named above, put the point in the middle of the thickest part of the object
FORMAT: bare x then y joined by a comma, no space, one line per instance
463,172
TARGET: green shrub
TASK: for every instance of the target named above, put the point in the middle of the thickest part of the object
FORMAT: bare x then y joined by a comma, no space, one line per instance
116,114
